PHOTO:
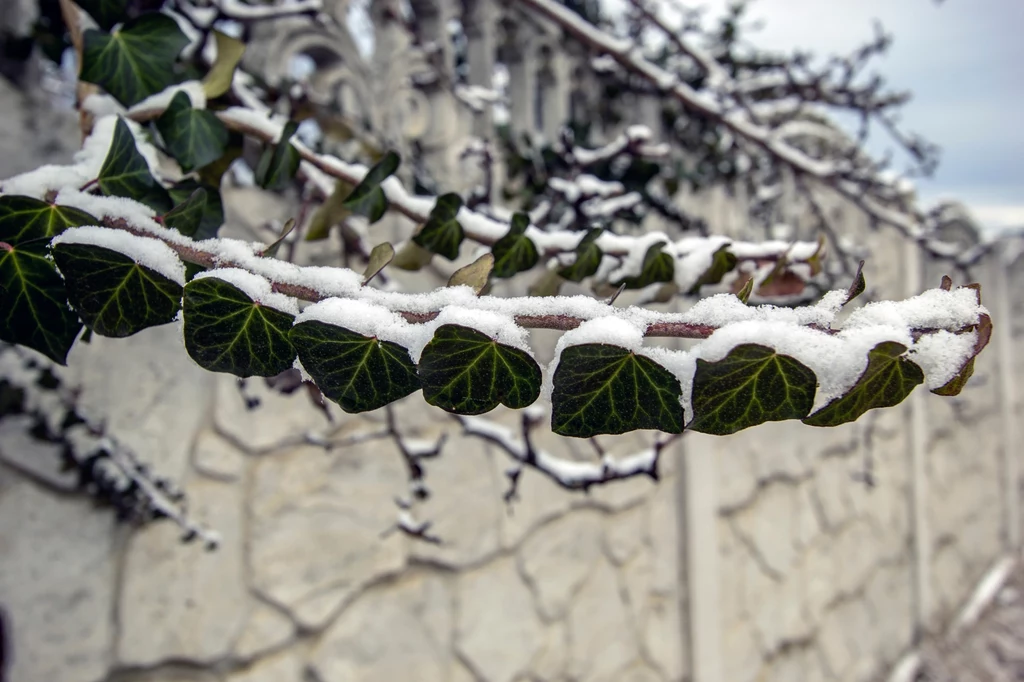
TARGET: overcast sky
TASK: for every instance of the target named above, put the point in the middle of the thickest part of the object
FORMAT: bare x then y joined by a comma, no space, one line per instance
964,62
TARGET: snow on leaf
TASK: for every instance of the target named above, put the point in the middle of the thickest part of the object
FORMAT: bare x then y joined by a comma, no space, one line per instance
658,266
722,263
467,372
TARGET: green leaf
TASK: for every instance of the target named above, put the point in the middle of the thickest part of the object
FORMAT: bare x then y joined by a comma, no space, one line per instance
380,256
125,172
34,310
286,230
114,295
887,380
358,372
135,62
467,372
748,288
475,274
588,258
106,13
658,267
412,257
329,213
604,389
213,208
515,251
279,162
194,137
229,53
442,233
187,216
24,219
367,199
751,385
548,284
722,263
226,331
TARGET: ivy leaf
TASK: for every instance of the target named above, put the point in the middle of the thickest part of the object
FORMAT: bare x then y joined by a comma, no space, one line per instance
229,53
658,267
367,199
329,213
858,286
34,310
286,230
279,162
24,219
722,263
751,385
548,284
748,288
442,233
106,13
515,251
358,372
588,258
125,172
114,295
887,380
213,208
194,137
380,256
187,216
604,389
136,61
957,383
412,257
226,331
475,274
213,174
467,372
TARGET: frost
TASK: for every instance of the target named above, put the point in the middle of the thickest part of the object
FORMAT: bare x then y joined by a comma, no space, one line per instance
150,253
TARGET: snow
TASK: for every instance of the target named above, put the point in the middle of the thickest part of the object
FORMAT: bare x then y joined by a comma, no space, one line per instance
150,253
362,318
255,287
162,99
940,355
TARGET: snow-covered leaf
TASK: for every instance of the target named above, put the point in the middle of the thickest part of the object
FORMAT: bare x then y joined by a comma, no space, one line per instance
125,172
360,373
23,219
588,258
887,380
227,331
114,295
957,383
467,372
604,389
658,266
136,61
751,385
722,263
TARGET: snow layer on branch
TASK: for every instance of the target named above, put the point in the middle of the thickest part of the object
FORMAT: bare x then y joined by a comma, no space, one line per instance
255,287
362,318
932,309
501,328
109,208
162,99
150,253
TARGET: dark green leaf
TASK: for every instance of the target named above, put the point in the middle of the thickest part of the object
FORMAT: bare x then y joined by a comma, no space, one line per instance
514,252
213,208
194,137
442,233
599,388
751,385
112,293
125,172
588,258
34,308
279,162
187,216
135,62
722,264
658,267
467,372
23,219
106,13
358,372
367,199
226,331
858,285
887,380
